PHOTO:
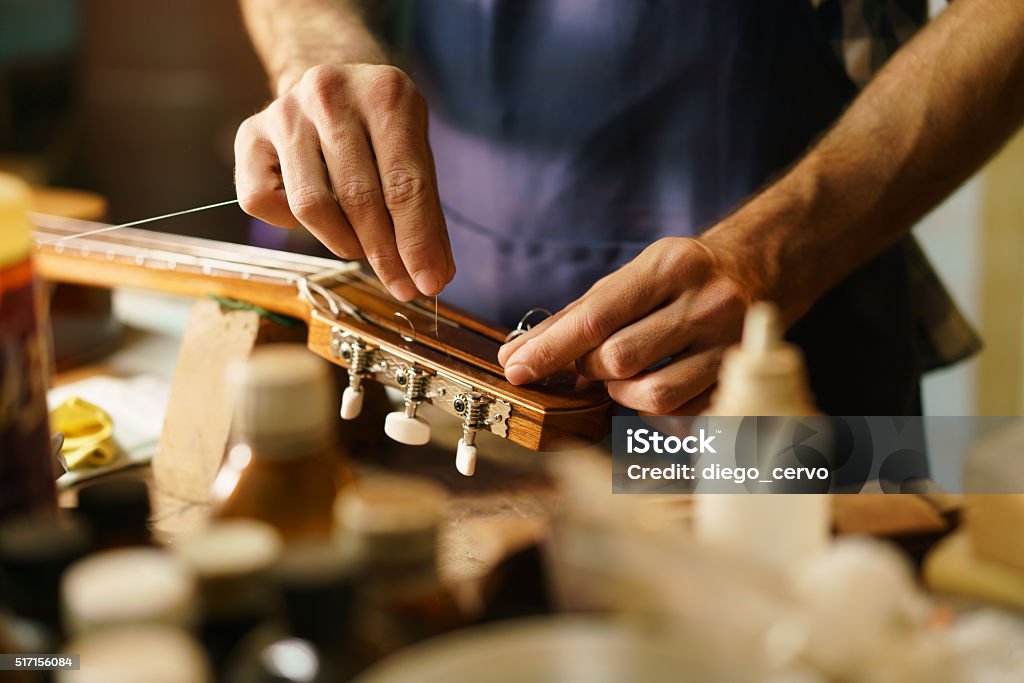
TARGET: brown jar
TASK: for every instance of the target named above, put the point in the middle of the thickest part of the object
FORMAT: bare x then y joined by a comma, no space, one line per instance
26,462
285,465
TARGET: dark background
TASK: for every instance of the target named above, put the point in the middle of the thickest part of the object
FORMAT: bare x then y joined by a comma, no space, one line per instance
137,100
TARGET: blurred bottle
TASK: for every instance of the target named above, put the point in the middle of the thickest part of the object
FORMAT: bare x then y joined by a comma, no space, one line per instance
125,587
763,376
147,653
285,466
388,526
34,552
117,512
26,463
9,645
517,587
314,640
231,560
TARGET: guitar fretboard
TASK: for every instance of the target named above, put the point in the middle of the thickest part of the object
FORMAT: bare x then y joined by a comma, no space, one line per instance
283,282
163,251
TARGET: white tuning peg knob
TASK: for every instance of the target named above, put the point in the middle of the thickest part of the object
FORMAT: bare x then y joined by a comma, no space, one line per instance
351,403
412,431
465,458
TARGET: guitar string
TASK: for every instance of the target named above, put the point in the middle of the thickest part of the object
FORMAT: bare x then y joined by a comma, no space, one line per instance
152,219
239,255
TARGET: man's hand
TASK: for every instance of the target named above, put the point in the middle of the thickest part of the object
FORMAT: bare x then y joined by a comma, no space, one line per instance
681,301
911,137
344,153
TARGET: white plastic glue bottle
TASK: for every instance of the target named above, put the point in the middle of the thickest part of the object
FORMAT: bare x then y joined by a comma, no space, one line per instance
763,376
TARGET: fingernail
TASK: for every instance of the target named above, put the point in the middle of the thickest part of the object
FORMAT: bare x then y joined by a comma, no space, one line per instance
519,374
403,290
427,282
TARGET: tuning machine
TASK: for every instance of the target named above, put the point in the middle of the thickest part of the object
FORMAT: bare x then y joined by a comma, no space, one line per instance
404,426
473,408
357,357
476,410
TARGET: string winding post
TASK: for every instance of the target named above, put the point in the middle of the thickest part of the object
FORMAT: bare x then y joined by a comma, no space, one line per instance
523,326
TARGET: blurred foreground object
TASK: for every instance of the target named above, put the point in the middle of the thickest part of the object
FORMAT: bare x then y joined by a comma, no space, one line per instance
128,587
34,552
231,560
388,527
985,559
994,518
26,464
314,641
555,650
286,465
150,653
763,376
117,512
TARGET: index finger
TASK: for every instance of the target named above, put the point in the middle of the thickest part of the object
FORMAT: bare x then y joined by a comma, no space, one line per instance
620,301
510,347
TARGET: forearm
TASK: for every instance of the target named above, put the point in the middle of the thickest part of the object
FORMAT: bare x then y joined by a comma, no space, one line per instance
293,35
941,107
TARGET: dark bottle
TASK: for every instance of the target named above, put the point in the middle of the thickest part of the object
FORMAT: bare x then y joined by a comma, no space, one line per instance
34,552
388,527
231,561
517,587
9,645
285,466
27,469
313,640
117,512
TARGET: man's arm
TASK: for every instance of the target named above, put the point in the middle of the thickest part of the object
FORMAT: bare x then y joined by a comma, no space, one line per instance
294,35
343,150
941,106
938,110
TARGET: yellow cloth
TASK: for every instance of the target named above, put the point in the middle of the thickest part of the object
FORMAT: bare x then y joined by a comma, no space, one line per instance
88,433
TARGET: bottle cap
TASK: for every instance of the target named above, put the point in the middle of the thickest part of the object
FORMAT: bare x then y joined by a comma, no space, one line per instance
230,547
231,560
390,518
15,227
284,401
764,374
151,653
118,508
136,585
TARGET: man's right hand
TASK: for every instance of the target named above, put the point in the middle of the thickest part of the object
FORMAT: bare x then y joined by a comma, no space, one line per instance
344,153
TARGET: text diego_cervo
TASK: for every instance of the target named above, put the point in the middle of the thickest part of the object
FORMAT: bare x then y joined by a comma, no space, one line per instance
737,475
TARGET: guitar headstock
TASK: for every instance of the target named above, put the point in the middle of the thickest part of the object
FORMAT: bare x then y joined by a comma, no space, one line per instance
437,354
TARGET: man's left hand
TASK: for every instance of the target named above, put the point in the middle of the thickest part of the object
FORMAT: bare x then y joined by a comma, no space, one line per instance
654,330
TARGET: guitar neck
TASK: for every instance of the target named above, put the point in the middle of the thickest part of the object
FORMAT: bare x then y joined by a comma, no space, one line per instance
340,304
174,264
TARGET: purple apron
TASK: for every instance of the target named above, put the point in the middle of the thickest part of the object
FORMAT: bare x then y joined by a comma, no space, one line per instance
570,134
